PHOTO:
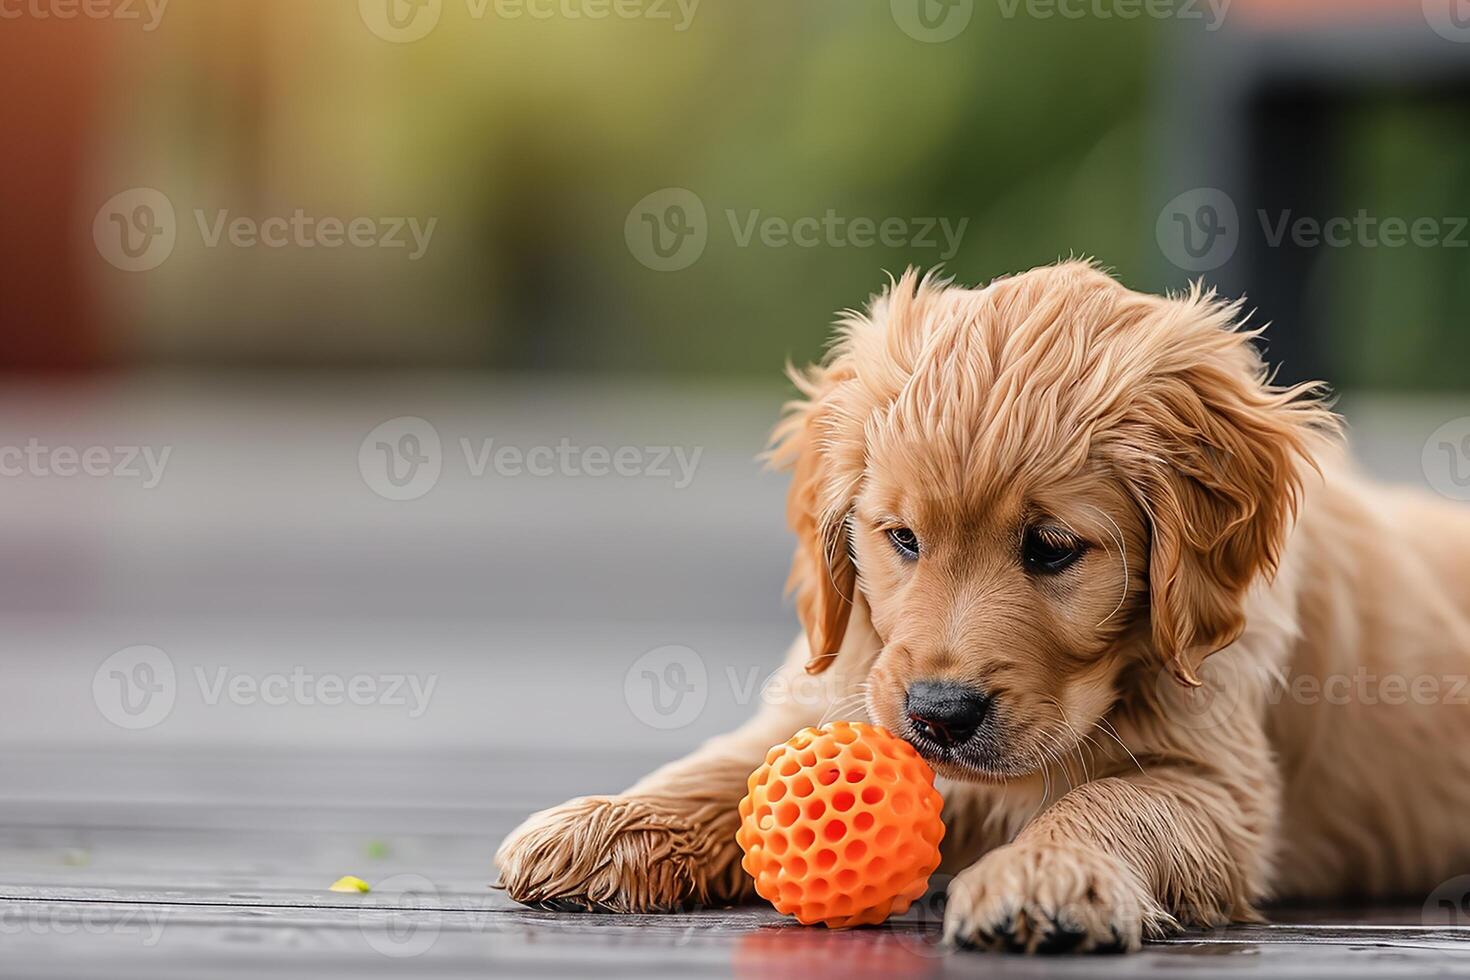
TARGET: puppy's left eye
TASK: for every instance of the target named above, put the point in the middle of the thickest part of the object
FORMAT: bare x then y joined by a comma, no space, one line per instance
1048,551
904,541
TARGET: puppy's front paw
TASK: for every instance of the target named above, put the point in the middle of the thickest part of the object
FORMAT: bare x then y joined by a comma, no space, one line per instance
623,854
1051,898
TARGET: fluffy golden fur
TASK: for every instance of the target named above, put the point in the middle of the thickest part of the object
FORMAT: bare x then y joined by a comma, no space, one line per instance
1167,747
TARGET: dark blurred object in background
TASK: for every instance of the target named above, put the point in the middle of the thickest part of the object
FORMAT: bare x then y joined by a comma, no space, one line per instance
1341,134
53,80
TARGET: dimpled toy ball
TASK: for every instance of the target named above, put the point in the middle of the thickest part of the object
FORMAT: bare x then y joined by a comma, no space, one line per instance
841,826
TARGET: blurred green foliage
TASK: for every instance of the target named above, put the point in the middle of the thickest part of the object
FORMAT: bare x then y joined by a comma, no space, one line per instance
1398,314
1032,131
530,140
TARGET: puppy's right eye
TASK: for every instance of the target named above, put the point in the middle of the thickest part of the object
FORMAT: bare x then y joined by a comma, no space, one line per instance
1047,551
905,542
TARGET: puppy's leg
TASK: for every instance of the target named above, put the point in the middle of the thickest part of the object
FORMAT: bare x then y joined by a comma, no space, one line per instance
1115,861
665,843
669,840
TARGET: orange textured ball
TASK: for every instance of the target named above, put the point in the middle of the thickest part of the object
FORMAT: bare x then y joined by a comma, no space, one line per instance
841,825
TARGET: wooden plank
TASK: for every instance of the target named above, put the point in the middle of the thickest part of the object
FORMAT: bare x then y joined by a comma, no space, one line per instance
137,938
112,869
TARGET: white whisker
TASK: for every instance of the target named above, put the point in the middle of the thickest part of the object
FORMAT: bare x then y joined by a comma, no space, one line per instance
1123,554
1113,734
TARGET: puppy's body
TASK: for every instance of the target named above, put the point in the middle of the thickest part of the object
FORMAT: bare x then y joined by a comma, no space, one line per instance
1207,663
1373,760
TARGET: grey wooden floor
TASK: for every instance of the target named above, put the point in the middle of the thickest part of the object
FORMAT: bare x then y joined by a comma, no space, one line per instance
204,844
231,879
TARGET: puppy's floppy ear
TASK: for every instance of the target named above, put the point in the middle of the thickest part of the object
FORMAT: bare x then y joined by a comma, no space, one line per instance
818,504
1222,478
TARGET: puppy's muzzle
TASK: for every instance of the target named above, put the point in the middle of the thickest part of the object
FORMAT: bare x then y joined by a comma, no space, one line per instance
946,713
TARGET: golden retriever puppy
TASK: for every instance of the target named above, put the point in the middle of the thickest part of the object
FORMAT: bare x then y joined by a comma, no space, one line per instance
1168,654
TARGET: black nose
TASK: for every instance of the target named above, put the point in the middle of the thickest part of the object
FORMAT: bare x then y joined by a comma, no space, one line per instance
947,712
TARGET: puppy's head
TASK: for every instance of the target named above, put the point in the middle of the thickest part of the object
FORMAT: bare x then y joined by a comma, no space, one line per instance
1033,486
